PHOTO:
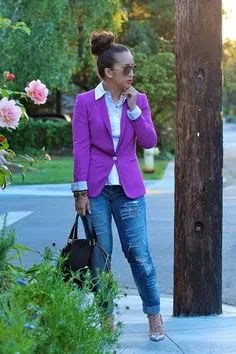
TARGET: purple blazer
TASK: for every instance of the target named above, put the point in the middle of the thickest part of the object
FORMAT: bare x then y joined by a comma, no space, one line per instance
93,149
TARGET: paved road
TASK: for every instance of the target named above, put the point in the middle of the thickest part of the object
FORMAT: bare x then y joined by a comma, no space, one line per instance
51,218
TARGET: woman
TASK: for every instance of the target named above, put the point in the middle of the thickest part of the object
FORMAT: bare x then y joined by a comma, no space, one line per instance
108,182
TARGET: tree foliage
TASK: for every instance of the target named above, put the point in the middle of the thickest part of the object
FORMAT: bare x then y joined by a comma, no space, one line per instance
50,52
156,77
58,52
58,46
150,33
110,16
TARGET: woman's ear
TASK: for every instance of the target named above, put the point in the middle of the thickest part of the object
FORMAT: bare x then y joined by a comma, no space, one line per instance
108,73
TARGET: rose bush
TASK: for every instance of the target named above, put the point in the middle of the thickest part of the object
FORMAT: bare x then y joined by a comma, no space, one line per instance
11,110
11,107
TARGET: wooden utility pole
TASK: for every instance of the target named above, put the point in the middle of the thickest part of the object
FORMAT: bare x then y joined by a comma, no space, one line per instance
199,156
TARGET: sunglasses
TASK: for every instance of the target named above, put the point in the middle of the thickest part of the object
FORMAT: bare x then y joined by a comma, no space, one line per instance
126,70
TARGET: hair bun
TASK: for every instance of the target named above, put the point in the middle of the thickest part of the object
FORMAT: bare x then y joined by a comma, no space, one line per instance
100,41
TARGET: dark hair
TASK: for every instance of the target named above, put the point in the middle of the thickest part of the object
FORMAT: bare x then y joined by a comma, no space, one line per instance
104,47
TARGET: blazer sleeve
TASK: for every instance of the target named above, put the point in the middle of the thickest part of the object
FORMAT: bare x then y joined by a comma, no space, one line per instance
81,140
143,125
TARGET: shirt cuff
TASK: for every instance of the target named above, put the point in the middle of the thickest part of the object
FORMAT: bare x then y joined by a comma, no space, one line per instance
135,113
79,186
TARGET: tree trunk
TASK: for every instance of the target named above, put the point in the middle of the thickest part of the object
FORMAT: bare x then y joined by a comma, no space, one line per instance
199,158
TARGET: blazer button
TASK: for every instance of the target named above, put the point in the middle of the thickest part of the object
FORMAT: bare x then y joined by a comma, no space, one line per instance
114,158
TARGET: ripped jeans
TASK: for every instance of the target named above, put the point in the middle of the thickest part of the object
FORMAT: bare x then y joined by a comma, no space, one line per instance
130,219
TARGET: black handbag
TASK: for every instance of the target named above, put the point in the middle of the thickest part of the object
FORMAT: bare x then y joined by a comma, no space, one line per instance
83,255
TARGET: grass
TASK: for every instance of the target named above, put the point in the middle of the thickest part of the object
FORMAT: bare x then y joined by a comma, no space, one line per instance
59,170
160,166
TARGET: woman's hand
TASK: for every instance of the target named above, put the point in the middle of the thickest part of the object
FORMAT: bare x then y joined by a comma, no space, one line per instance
82,205
131,94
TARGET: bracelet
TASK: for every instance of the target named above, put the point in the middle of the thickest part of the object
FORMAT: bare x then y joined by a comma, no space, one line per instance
81,194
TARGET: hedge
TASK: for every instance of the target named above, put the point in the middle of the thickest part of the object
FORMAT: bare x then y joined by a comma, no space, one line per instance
34,134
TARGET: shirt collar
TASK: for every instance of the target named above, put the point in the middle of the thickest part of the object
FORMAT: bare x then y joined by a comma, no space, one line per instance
100,92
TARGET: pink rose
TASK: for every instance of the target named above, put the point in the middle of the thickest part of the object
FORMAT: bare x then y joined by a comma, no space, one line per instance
37,91
10,113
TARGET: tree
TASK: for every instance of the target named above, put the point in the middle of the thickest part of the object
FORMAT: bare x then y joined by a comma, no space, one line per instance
163,19
59,43
156,77
198,166
110,16
50,52
12,110
149,32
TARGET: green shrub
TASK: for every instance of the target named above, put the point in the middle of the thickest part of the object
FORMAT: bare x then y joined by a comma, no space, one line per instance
35,134
40,313
48,316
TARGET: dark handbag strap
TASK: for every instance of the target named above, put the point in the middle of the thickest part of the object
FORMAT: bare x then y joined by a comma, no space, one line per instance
74,231
88,227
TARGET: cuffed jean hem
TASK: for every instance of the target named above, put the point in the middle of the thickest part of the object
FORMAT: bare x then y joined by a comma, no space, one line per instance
151,310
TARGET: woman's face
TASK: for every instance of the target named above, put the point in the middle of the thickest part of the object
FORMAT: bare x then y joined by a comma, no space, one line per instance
122,73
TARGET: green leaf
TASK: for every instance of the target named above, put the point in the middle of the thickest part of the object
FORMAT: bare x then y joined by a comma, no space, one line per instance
24,113
5,176
19,165
27,158
10,154
2,180
4,22
21,26
21,247
4,92
3,143
14,268
24,95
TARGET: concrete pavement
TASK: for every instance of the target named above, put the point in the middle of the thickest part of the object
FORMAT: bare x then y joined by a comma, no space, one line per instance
189,335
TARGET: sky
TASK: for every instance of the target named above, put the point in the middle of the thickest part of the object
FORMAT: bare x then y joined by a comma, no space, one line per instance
229,21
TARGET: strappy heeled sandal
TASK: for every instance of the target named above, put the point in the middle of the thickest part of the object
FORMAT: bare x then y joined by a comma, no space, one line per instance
156,330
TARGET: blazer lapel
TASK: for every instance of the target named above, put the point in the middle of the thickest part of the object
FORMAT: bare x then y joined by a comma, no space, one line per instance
122,123
104,113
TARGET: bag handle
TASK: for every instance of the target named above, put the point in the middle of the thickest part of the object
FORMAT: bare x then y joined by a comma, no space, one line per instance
74,231
88,228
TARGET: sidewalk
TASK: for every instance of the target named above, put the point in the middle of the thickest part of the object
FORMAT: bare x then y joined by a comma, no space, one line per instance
189,335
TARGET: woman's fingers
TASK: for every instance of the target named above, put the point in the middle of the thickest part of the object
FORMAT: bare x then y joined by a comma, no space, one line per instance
82,206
